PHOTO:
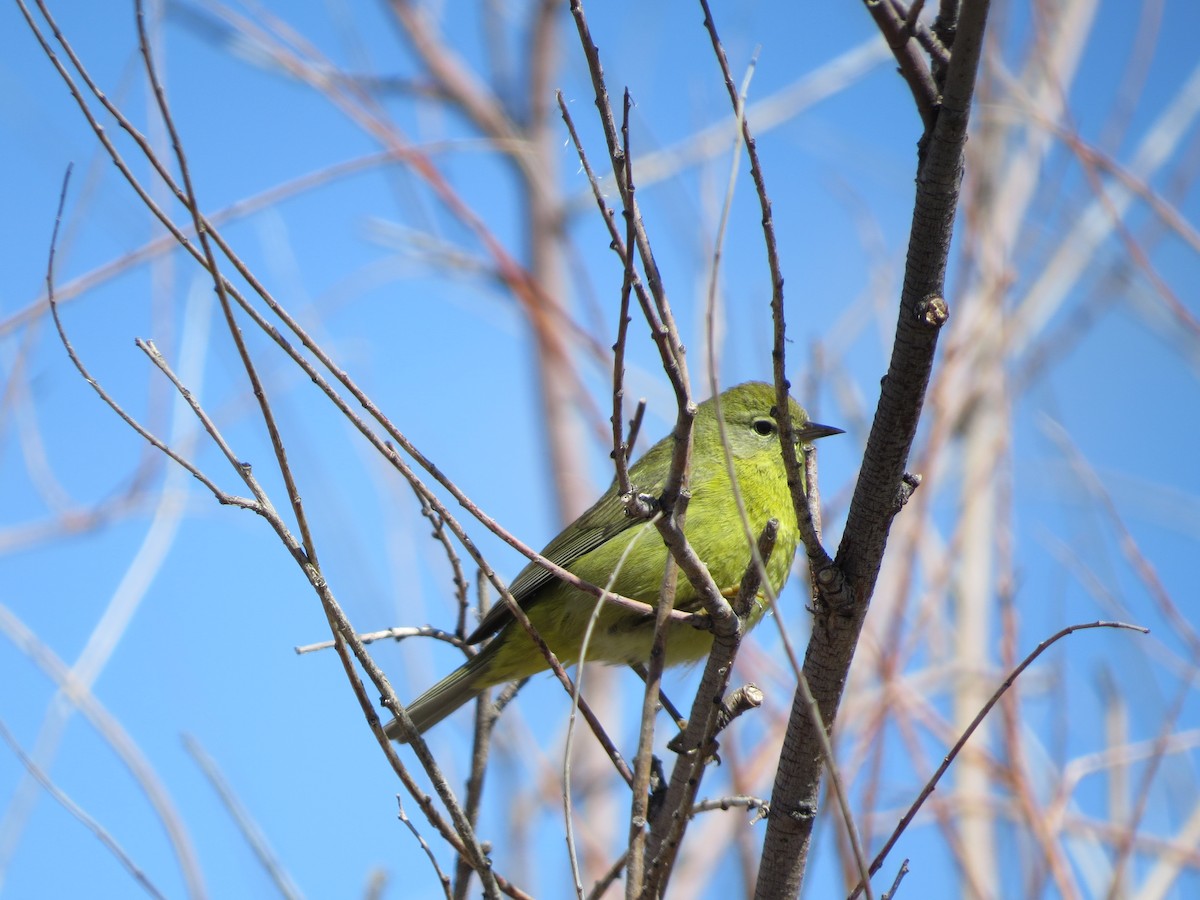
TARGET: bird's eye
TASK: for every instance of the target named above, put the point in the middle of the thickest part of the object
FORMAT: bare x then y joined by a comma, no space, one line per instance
764,427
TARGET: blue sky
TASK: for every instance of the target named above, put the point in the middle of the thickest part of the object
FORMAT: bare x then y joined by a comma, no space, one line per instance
208,650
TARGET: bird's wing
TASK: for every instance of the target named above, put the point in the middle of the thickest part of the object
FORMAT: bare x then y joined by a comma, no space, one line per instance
599,524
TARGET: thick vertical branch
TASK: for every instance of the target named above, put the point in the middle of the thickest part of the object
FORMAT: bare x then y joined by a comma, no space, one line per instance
845,590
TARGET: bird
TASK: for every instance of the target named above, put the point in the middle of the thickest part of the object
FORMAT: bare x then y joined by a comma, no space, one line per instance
592,547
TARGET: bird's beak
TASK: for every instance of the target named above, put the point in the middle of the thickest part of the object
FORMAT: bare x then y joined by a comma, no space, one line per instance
813,430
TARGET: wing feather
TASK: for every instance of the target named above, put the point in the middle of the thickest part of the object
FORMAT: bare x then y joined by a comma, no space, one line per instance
602,522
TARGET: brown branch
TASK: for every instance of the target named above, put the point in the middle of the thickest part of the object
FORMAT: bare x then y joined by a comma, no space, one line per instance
898,32
417,160
338,621
809,532
668,828
305,553
847,587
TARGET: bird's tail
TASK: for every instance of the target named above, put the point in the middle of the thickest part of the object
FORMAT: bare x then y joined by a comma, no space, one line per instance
462,685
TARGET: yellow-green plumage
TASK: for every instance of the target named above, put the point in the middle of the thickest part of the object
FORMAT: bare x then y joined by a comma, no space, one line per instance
592,545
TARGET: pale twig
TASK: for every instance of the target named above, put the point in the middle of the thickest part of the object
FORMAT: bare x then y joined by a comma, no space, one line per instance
113,733
890,893
710,321
241,816
727,803
79,814
288,320
442,877
696,744
970,730
281,530
818,558
568,814
1123,851
394,634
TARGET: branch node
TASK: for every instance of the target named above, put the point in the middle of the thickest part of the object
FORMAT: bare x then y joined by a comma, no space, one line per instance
658,791
804,812
640,506
749,696
932,311
828,577
908,486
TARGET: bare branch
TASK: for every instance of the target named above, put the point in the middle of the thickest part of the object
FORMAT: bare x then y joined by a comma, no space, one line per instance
970,730
246,825
79,814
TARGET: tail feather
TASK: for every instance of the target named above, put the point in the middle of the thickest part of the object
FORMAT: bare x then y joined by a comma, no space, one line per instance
461,686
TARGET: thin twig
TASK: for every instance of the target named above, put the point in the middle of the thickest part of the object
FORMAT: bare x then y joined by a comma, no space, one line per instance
442,877
671,709
907,818
568,814
671,823
898,33
245,823
835,781
115,736
332,609
621,449
220,495
635,424
396,634
890,893
620,246
458,577
192,204
79,814
727,803
605,881
662,320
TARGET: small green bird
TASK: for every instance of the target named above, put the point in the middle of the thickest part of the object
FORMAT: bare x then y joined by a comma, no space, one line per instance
592,545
